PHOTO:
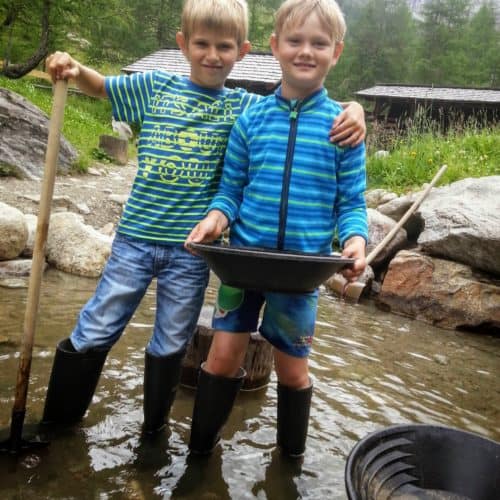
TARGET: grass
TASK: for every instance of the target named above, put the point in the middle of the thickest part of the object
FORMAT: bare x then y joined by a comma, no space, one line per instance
415,150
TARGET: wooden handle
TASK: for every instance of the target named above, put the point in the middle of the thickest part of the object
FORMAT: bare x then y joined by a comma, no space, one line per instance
51,156
388,237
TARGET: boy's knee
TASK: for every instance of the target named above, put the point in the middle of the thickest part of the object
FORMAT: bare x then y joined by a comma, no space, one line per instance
223,365
295,380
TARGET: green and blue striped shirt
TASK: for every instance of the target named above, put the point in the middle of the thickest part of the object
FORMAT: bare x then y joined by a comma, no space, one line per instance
276,147
183,137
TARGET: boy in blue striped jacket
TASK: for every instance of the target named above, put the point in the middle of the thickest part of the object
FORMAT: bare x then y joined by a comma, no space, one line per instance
284,186
185,124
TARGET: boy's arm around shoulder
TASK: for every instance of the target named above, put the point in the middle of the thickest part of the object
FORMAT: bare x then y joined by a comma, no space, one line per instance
349,127
61,66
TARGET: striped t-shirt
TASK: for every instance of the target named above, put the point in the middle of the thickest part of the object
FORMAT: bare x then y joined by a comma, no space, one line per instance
184,130
284,181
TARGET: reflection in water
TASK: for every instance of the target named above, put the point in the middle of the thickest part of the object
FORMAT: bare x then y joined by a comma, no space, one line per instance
370,370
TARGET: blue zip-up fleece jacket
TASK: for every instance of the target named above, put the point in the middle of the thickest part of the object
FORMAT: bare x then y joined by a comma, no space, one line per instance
284,185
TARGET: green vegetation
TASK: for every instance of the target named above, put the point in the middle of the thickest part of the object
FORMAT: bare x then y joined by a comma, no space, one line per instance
417,151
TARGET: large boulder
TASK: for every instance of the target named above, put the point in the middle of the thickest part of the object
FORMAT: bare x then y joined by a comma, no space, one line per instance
13,232
441,292
462,224
76,248
24,131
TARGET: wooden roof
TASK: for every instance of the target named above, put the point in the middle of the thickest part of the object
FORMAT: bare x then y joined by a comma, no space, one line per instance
441,94
254,67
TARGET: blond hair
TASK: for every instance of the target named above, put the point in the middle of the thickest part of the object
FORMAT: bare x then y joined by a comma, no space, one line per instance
295,12
229,17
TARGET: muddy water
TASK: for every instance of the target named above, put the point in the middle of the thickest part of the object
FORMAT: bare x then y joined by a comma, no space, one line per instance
370,370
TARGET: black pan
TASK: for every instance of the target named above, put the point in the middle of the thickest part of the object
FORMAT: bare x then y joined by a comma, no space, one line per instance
269,270
422,461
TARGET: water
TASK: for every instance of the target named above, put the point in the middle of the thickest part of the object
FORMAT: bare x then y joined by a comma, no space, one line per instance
370,370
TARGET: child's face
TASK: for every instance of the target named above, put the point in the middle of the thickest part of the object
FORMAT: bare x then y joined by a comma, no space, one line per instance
211,56
306,52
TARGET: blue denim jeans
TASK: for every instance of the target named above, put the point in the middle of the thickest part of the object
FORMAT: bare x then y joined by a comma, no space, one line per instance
181,282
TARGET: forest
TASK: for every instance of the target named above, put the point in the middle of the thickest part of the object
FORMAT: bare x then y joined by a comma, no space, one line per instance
447,43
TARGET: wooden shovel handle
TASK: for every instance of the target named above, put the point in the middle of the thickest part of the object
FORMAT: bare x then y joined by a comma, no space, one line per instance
51,156
388,237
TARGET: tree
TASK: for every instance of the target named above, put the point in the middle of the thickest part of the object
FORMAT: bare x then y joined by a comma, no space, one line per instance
378,47
11,14
442,51
261,22
483,61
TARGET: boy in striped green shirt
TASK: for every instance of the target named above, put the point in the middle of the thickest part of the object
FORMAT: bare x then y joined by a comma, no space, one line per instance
284,186
184,126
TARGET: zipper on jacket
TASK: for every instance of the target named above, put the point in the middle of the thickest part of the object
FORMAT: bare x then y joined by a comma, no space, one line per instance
287,174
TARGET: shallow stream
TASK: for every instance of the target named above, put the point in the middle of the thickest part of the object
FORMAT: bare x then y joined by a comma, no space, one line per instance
371,369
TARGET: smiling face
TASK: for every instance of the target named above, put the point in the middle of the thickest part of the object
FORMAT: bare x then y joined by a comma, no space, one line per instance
306,51
211,55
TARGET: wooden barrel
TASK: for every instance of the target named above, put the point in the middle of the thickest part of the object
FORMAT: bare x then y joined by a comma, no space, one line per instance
258,360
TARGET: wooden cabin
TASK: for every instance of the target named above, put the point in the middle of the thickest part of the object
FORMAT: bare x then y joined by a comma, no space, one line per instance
394,103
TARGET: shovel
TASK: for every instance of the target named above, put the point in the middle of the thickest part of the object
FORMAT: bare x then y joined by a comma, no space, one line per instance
15,444
352,291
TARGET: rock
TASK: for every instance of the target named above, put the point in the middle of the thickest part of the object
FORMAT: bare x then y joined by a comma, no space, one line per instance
121,199
441,292
462,223
16,268
13,283
24,138
377,197
62,202
379,226
397,208
13,232
83,208
76,248
94,171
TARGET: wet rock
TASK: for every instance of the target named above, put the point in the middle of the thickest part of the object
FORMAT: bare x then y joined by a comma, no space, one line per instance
13,283
441,359
16,268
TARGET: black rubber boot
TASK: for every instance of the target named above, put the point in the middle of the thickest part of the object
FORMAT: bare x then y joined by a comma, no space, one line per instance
213,403
293,419
72,383
161,379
